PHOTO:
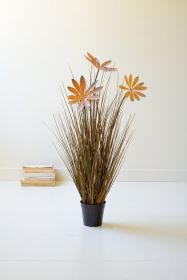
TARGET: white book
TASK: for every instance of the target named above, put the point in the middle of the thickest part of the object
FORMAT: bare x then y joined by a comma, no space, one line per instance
33,179
37,183
37,166
39,175
38,169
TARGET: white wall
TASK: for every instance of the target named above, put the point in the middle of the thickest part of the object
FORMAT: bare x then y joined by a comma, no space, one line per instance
38,38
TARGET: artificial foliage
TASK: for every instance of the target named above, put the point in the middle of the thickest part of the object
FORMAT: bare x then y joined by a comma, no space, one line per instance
91,133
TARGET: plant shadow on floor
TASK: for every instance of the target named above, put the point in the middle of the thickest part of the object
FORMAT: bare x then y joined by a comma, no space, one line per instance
152,230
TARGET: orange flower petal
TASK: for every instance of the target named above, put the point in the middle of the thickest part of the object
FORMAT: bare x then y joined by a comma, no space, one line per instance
73,97
130,80
82,84
141,88
96,63
135,81
73,101
127,81
127,93
93,60
73,90
76,85
108,69
131,96
136,96
140,93
138,86
124,87
106,63
89,59
90,56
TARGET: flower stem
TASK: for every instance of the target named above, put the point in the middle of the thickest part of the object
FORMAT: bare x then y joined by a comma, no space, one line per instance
96,75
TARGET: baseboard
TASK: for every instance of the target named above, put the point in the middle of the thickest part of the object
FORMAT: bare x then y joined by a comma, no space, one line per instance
133,175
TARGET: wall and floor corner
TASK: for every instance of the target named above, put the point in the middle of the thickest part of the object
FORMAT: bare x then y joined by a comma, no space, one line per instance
38,41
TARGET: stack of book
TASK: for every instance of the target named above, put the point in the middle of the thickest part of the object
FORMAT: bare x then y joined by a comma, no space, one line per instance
38,175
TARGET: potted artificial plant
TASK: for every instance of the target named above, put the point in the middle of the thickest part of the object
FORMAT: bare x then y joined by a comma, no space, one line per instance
92,137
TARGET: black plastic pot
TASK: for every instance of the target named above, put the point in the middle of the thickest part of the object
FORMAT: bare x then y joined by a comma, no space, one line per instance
92,214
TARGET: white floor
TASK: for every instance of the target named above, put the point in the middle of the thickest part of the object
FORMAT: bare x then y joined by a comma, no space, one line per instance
144,234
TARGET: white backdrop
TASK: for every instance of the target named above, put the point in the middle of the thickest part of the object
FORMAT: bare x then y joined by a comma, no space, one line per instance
39,38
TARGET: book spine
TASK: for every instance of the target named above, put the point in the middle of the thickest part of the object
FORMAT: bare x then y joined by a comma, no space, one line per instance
37,183
37,166
39,175
38,170
38,179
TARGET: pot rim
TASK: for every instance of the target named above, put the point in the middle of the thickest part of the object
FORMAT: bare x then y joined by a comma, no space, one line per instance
86,204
